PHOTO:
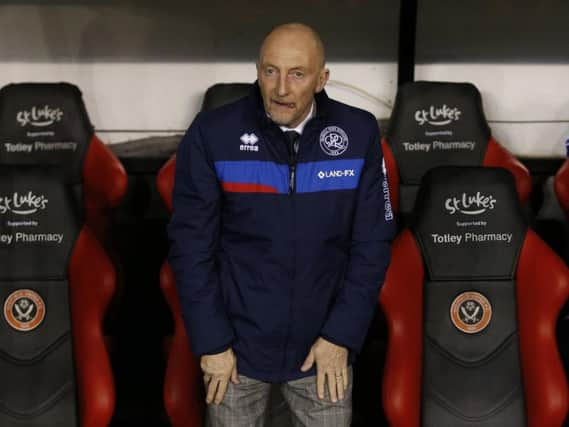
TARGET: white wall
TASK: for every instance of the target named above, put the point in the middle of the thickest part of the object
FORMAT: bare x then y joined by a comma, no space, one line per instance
160,99
527,105
515,52
143,66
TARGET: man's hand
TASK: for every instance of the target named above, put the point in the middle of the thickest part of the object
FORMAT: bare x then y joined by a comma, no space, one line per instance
331,365
218,369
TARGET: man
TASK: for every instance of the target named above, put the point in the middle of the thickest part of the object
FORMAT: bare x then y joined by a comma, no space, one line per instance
280,239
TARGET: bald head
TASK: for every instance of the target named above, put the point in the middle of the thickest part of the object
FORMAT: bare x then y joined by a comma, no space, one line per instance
290,71
295,35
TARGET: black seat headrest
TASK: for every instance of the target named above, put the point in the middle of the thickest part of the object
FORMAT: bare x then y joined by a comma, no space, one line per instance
43,123
224,93
469,223
436,124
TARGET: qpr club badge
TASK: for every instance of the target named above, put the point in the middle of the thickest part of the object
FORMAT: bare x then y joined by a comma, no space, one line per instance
24,310
471,312
333,141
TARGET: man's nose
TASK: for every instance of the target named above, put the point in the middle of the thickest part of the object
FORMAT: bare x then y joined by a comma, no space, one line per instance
282,86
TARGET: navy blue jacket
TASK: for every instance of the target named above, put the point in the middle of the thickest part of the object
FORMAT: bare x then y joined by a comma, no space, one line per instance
267,267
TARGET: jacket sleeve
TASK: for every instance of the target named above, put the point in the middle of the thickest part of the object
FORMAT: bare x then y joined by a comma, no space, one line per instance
373,229
194,234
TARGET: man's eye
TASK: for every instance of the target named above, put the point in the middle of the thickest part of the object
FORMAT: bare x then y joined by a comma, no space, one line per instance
270,71
298,74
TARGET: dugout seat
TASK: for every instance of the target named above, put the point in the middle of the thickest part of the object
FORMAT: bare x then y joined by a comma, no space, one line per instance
55,285
183,390
46,124
471,298
58,184
437,124
561,185
183,385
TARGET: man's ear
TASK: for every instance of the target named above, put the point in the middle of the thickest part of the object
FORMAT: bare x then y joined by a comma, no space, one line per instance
323,77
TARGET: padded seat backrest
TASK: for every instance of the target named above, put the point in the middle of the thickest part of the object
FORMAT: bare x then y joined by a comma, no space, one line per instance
46,124
466,304
40,228
437,124
224,93
469,228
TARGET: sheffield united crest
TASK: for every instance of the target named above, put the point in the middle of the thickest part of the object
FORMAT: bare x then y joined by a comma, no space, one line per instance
24,310
471,312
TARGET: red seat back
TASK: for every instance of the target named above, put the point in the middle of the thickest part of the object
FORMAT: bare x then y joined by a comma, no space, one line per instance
183,391
92,283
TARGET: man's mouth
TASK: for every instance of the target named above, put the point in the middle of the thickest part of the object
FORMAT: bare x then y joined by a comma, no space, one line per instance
281,104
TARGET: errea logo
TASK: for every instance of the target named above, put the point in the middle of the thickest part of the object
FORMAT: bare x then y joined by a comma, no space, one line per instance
249,141
336,173
39,116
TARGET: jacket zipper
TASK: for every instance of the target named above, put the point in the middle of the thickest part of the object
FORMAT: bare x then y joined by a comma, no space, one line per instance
292,171
292,162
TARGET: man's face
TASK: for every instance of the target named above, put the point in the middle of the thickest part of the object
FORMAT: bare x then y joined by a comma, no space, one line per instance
290,71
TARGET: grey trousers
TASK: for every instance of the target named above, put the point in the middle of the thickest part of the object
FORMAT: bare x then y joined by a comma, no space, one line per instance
246,405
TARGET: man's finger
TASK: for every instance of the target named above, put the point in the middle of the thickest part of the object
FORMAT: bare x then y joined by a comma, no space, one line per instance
221,389
235,376
320,379
212,388
340,386
206,379
332,386
308,362
346,377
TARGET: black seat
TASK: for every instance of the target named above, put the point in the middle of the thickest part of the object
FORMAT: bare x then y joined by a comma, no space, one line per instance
472,297
440,124
46,124
55,286
58,182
